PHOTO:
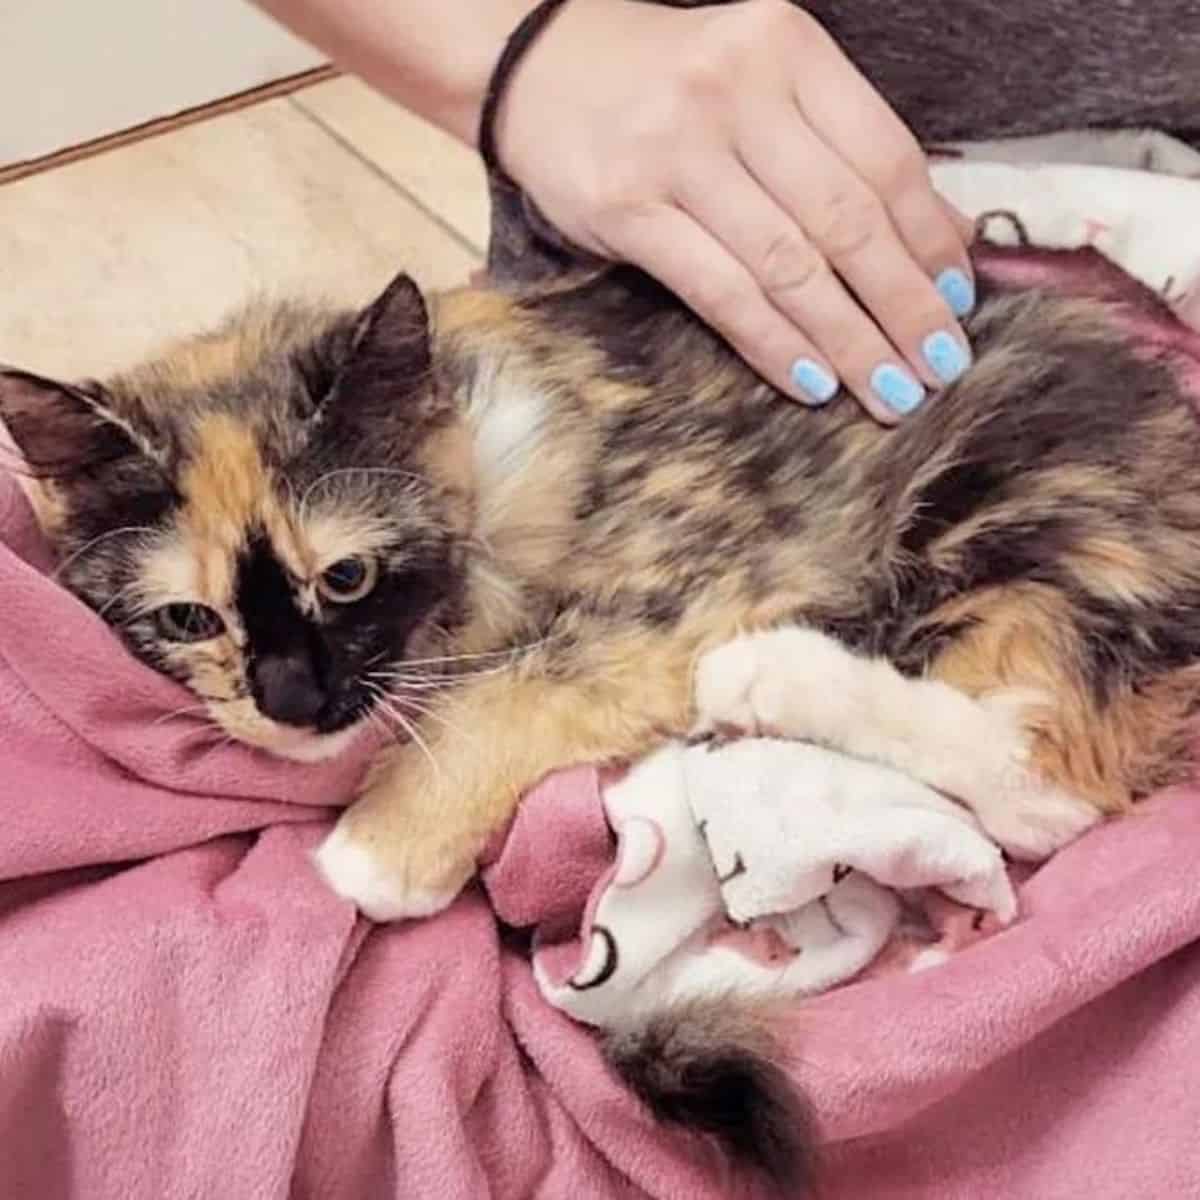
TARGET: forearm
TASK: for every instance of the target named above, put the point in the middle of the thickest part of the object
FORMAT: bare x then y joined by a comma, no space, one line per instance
432,56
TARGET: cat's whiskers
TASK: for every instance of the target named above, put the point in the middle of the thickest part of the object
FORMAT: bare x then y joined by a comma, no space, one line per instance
186,710
407,698
385,705
376,721
124,531
390,728
401,668
416,683
411,683
380,718
434,714
408,671
435,674
508,652
302,507
120,594
377,693
408,686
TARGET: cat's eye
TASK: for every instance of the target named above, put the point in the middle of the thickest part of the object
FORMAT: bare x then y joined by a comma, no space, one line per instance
348,579
189,622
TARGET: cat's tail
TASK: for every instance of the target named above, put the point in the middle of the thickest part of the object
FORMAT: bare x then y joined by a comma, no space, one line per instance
713,1067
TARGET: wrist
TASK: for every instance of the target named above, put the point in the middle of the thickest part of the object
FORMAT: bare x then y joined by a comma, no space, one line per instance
567,75
455,87
518,44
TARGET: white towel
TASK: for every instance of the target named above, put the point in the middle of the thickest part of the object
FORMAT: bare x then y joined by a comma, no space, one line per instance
763,866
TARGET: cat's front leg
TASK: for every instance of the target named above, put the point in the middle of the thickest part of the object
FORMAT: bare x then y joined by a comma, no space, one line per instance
801,683
410,843
407,846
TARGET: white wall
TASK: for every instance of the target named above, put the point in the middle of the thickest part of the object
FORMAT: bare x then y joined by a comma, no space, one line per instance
75,70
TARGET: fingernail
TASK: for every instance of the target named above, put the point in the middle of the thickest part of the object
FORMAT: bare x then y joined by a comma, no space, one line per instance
957,290
947,357
816,383
899,390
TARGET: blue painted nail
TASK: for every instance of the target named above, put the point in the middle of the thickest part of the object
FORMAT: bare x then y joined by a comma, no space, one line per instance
818,386
899,390
946,355
957,290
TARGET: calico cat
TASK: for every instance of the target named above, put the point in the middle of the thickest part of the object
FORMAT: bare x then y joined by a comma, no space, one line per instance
521,525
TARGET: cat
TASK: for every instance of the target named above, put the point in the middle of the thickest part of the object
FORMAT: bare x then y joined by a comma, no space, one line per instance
521,525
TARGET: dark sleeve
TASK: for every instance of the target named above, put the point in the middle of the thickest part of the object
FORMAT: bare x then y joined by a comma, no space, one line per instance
970,69
959,69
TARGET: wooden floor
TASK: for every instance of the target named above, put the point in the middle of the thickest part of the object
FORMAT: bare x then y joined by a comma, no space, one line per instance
327,191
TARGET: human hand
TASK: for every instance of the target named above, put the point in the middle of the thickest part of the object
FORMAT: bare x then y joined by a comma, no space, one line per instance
734,153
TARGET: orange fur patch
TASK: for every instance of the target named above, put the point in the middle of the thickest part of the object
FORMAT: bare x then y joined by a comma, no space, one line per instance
229,491
1023,640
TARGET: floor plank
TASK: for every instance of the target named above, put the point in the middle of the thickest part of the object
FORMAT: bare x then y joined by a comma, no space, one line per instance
103,258
440,174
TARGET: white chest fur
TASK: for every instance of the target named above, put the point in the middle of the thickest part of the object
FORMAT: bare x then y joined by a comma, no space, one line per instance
509,420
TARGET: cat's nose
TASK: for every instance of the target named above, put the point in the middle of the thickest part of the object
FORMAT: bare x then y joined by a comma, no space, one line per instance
286,689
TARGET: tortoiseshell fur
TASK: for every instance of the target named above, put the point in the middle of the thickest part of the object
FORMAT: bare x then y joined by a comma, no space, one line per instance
585,477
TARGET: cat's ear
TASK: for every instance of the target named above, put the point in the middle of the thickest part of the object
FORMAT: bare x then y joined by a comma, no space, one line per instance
386,369
395,327
62,430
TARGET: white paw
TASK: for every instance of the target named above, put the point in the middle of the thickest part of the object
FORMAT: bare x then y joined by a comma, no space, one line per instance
357,874
1032,819
1027,815
724,686
788,681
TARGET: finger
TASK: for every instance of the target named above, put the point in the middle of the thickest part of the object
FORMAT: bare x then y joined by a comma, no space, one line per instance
799,283
851,118
687,259
848,225
963,223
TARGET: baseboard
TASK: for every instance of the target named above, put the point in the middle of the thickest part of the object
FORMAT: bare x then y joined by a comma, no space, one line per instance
161,125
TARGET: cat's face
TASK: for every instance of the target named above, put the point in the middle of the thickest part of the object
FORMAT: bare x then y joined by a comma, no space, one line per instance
273,514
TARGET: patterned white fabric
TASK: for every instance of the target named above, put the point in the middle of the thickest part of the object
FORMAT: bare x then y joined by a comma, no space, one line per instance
1147,221
762,865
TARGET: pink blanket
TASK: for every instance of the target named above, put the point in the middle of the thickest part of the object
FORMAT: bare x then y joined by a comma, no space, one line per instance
186,1012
